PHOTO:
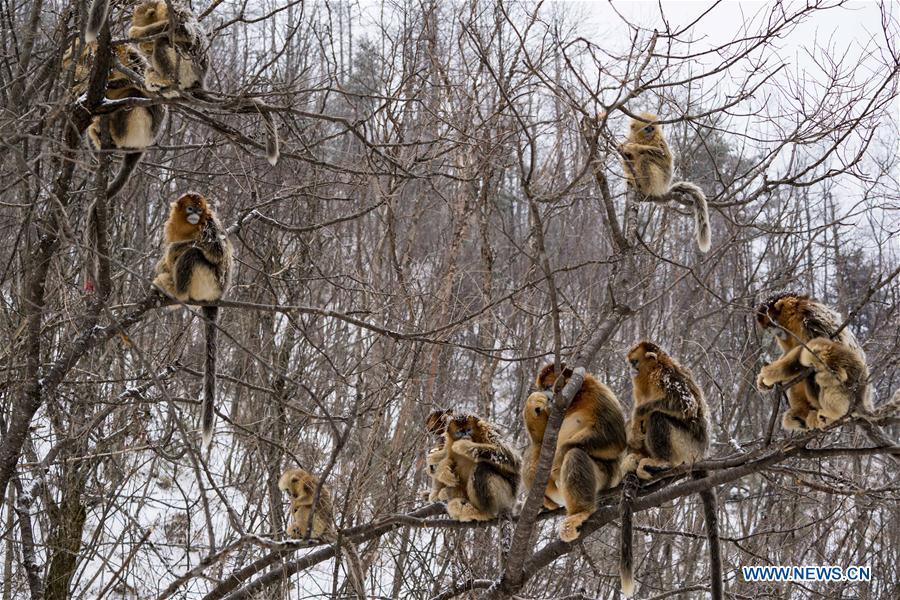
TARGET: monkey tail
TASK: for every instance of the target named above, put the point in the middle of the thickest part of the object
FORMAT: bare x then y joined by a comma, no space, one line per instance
129,162
354,570
701,212
710,517
96,19
208,413
626,554
273,144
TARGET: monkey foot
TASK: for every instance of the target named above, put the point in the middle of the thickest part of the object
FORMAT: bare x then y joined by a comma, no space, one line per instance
463,511
446,476
793,421
650,467
630,462
568,531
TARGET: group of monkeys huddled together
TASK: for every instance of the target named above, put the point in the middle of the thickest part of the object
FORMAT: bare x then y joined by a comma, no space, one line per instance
478,474
167,57
472,468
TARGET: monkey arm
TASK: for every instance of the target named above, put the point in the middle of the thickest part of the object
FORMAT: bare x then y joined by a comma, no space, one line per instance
631,148
496,454
784,369
664,405
141,31
212,243
594,442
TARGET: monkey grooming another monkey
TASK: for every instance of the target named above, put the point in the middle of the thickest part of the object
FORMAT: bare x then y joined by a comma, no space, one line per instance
647,162
588,450
669,426
301,488
196,267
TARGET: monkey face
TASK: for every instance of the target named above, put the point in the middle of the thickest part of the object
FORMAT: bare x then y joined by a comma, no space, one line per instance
645,128
643,353
768,315
192,208
297,483
462,427
546,379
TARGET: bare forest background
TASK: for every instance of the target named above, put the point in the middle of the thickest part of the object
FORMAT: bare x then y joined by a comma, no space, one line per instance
448,215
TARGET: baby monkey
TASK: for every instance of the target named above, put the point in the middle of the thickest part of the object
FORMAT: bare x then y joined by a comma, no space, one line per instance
669,426
647,162
196,267
437,458
301,487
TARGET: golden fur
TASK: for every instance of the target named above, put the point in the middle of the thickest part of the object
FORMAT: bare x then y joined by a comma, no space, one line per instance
647,164
301,487
669,426
196,267
481,471
209,274
795,320
437,458
590,444
131,129
178,59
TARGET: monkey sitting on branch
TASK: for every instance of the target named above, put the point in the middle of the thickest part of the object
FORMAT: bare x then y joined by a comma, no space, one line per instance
308,510
669,426
437,458
175,44
196,267
647,162
132,129
480,472
838,380
588,450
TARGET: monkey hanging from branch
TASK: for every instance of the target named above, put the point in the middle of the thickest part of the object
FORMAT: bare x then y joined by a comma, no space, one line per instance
647,162
669,426
196,267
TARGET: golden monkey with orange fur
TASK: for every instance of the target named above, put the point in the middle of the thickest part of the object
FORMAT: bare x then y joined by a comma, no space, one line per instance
647,162
840,380
196,267
588,450
480,471
439,464
669,426
301,486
